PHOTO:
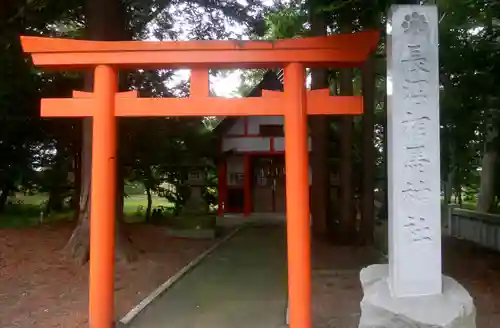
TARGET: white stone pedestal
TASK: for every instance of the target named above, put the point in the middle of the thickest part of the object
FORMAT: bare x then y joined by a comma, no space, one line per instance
453,308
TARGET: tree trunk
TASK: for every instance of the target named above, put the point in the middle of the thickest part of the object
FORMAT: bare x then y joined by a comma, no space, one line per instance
77,172
125,249
448,187
487,187
75,198
56,200
370,19
150,204
4,195
488,165
367,223
320,190
457,186
451,168
347,220
384,210
106,20
78,246
59,180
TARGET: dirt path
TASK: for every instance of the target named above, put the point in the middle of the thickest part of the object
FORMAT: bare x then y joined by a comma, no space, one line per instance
241,285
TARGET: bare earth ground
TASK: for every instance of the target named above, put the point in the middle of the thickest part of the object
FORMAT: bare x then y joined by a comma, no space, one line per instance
478,270
39,288
335,286
337,291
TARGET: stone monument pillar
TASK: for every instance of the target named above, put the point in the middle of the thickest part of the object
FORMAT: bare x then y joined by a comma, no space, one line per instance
411,291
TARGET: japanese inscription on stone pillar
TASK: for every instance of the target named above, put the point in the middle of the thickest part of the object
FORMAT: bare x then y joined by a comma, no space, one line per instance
414,168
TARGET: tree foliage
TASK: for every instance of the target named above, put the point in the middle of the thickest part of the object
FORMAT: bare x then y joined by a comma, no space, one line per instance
29,144
469,75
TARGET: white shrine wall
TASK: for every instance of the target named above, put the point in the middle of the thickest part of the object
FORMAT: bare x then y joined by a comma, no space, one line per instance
279,144
244,136
238,129
254,122
246,144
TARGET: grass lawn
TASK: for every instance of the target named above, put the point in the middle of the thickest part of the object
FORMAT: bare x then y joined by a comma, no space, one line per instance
134,203
25,210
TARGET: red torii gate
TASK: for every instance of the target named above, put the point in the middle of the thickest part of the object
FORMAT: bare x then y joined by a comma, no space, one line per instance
105,104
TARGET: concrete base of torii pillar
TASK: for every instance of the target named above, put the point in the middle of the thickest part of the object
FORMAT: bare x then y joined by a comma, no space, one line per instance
454,308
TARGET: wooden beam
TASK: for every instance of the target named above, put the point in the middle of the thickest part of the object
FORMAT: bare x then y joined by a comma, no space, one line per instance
34,44
319,102
339,50
200,82
125,94
225,59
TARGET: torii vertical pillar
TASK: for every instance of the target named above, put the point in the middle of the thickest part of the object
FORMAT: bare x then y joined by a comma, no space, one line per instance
102,222
297,200
411,291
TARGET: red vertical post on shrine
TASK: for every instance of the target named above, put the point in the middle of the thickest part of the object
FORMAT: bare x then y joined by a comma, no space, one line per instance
297,200
247,185
222,187
102,204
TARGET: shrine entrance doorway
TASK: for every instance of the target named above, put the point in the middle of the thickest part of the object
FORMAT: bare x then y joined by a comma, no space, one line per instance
269,184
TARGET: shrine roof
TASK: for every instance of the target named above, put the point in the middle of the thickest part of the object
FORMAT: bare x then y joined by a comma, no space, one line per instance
270,81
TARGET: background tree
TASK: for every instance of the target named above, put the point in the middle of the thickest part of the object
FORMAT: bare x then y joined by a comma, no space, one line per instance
319,127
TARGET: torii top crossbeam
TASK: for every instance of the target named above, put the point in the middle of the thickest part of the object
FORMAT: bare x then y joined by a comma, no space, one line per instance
341,50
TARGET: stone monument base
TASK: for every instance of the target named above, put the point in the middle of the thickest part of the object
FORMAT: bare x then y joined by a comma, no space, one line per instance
454,308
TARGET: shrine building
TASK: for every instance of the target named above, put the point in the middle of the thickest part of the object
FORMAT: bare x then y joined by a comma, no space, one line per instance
252,171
